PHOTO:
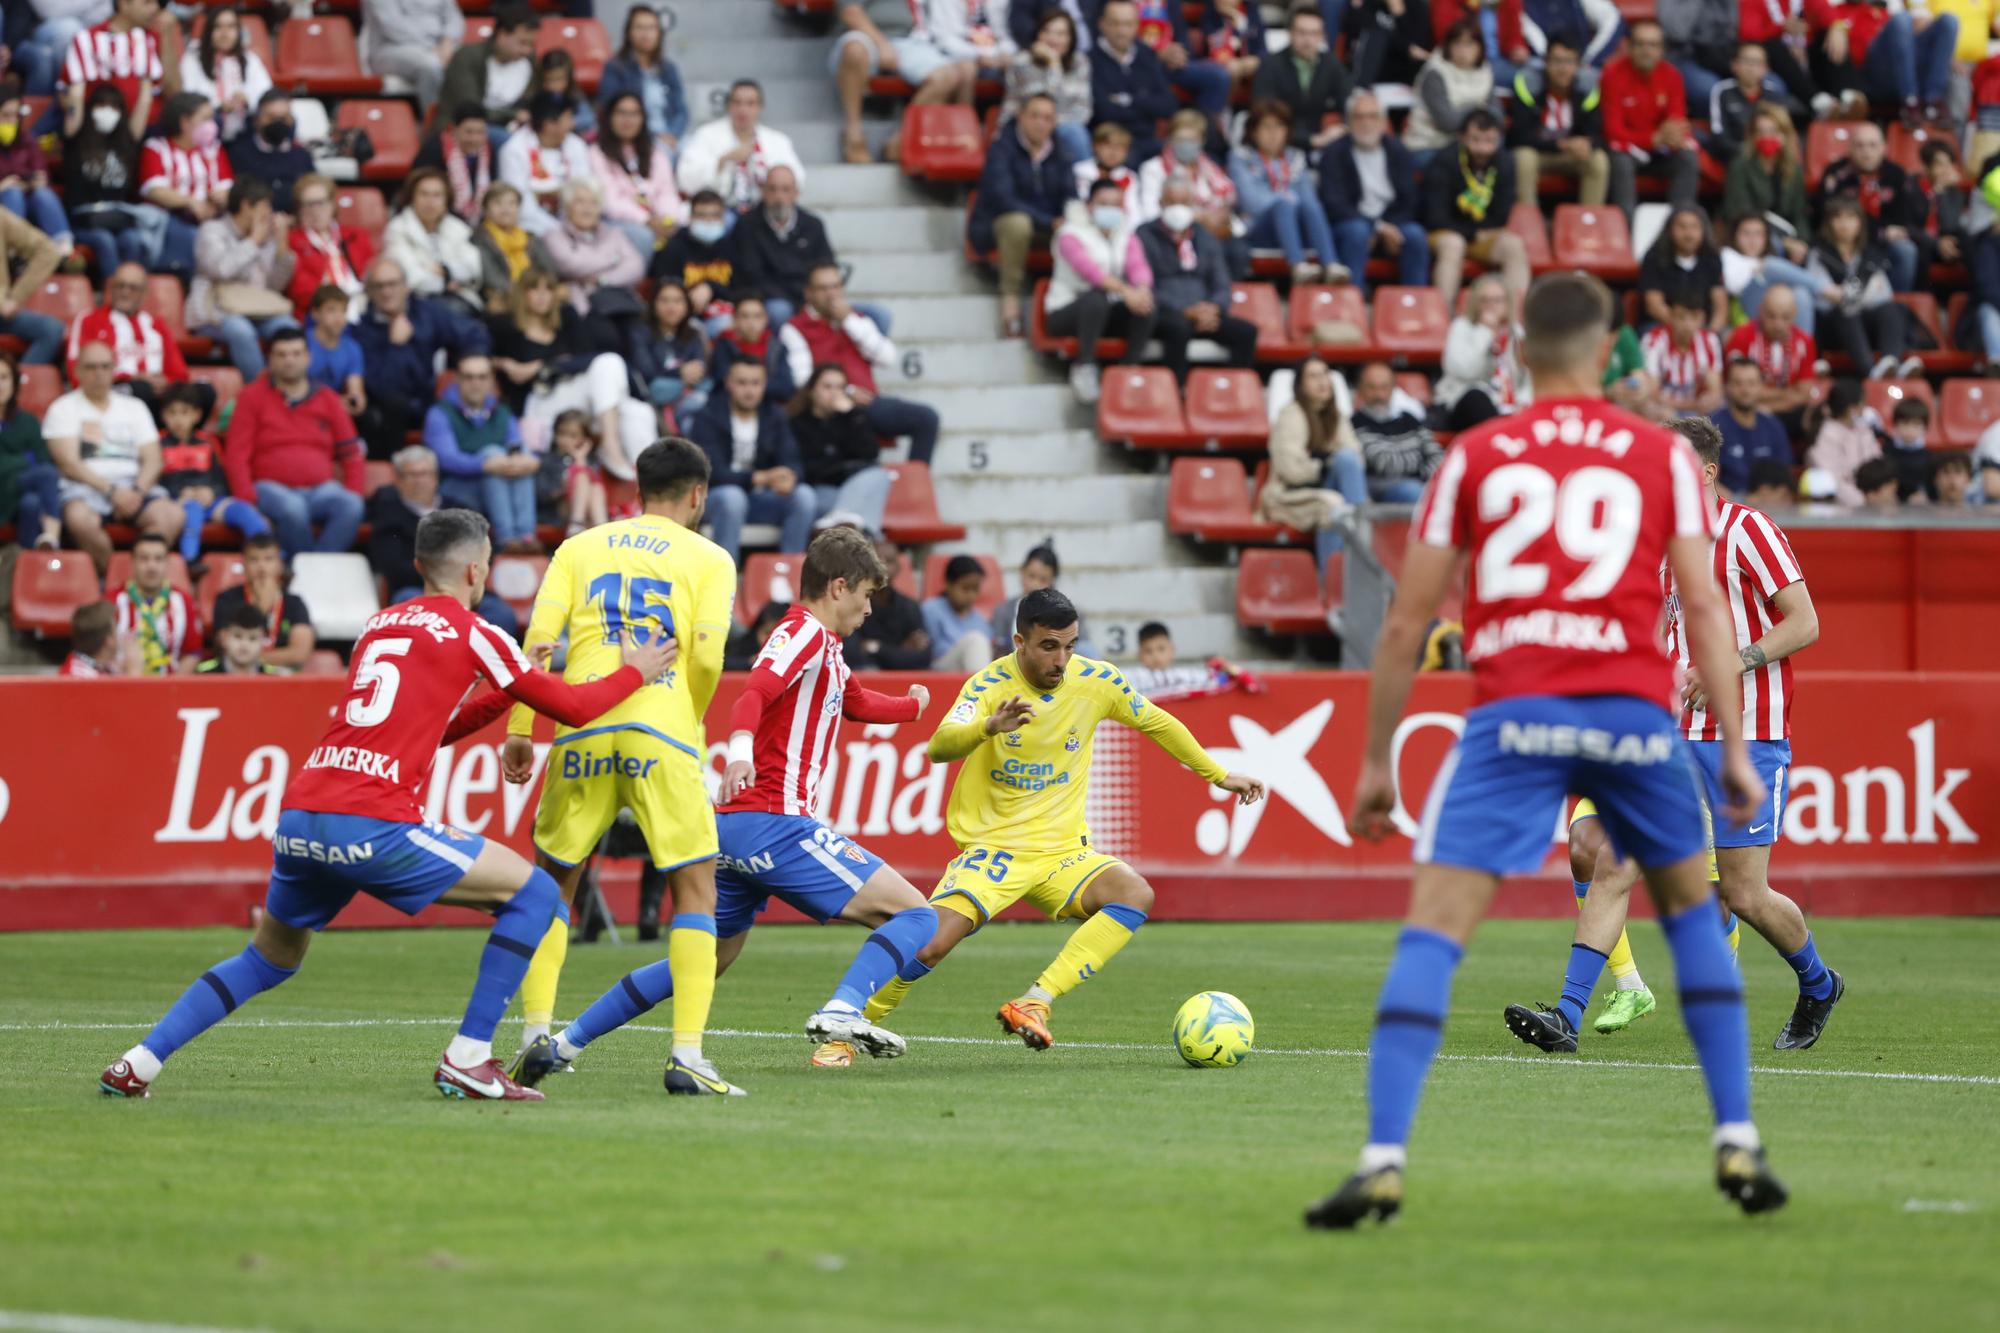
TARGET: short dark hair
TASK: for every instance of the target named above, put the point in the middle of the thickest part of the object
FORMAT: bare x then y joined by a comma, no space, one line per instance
151,538
1045,554
1932,150
326,294
1955,460
822,267
741,84
444,532
1702,434
91,627
513,18
1690,300
1152,630
1738,362
1565,41
272,95
287,335
1843,397
1305,9
742,299
185,394
1103,183
465,111
704,198
546,106
669,467
1770,472
840,553
177,110
959,566
242,615
1874,474
263,541
1910,409
247,191
1044,607
1482,119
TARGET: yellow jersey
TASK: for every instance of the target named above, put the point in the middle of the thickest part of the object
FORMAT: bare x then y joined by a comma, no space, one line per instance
642,576
1023,790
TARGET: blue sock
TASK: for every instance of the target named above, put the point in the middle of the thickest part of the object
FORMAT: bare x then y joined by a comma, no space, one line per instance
1729,923
1125,915
197,514
518,928
885,953
1814,979
635,993
1712,1006
1582,887
1409,1023
1586,965
213,997
914,970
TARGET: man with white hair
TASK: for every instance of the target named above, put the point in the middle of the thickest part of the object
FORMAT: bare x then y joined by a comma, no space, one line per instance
1368,184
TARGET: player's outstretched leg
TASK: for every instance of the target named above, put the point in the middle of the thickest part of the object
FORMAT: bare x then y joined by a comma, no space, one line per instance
904,923
634,994
270,959
520,921
538,987
1747,891
1114,907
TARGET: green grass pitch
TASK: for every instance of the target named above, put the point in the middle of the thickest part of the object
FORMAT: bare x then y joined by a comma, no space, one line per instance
295,1170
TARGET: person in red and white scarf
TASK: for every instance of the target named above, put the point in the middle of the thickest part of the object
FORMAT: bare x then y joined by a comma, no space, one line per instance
543,160
465,154
1182,159
147,359
325,251
1482,373
1684,356
733,155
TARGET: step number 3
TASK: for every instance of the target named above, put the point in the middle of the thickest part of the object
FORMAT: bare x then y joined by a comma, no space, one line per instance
1595,515
622,601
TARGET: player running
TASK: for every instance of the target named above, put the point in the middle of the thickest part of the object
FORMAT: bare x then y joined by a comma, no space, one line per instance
784,728
1772,614
640,579
1565,511
352,820
1024,727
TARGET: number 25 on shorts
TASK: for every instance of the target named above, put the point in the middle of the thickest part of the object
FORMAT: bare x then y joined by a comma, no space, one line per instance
996,869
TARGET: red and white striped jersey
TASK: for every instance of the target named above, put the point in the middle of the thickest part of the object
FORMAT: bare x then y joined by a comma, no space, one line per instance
195,172
1680,369
800,688
1784,364
141,346
104,55
1753,562
165,626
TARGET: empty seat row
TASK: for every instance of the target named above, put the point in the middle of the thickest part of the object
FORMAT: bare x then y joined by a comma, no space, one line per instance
321,54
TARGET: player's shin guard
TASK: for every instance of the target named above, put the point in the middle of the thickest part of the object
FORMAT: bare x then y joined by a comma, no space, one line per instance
213,997
1586,965
518,926
1409,1024
538,987
634,994
1091,946
1712,1007
886,954
691,954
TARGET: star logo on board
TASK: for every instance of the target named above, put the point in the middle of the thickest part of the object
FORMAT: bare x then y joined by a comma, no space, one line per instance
1283,760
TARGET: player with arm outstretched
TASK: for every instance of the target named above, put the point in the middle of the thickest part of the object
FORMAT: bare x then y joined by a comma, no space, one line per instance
639,579
1562,513
783,731
352,820
1024,727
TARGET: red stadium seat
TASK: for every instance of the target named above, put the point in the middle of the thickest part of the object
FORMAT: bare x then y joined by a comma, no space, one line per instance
227,381
584,39
319,54
1883,395
767,578
1258,303
1528,223
1225,409
1942,358
1208,499
991,593
516,579
63,296
943,143
40,386
119,572
362,208
377,473
1278,592
1416,385
49,586
1969,407
166,302
392,128
1594,238
911,517
1906,145
478,27
1314,304
1039,337
224,571
1410,323
1827,142
1141,406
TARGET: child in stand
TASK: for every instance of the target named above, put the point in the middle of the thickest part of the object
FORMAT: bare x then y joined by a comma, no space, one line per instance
335,355
239,645
1909,421
1110,147
583,478
749,338
191,470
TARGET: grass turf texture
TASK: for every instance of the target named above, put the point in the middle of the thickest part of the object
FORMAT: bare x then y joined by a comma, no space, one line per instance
309,1177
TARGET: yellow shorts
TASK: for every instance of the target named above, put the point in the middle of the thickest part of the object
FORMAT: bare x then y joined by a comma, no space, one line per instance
592,775
982,882
1586,809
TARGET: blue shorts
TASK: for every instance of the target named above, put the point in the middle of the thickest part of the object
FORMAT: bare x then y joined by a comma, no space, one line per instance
1496,801
794,858
319,862
1772,760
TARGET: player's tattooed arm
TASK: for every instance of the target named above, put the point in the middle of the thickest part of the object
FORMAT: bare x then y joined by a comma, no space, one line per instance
1753,657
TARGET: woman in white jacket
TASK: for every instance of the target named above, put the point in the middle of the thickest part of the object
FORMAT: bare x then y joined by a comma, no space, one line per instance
433,244
1101,285
222,67
1482,369
732,156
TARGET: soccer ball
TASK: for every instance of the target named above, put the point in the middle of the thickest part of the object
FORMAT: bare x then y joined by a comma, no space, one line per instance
1214,1030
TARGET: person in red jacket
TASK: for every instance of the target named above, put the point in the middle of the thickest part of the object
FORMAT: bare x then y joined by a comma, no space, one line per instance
325,252
1646,121
294,453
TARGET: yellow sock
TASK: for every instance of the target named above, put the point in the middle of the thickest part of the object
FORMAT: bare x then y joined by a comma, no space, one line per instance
1620,960
691,958
886,997
1090,948
538,988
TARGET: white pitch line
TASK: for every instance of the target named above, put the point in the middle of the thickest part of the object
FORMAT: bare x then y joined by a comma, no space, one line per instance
38,1322
1321,1053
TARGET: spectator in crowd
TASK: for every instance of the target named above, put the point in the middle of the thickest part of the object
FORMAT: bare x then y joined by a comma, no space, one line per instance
326,252
1646,121
1055,67
1834,56
38,256
750,337
393,514
1128,82
893,637
1876,481
1184,158
1102,286
550,363
1398,451
1482,367
24,178
221,67
1907,445
1316,469
1162,26
124,51
100,182
1735,101
1455,82
289,637
334,356
1889,201
583,487
1191,284
1784,31
592,255
1158,677
755,473
294,453
1039,569
242,265
1904,56
1593,25
1684,265
477,441
464,153
1684,357
702,258
400,337
1784,355
1555,126
411,40
543,160
840,453
184,172
1984,113
890,38
555,73
265,148
108,451
239,646
1626,382
1770,487
145,356
94,649
1110,160
1368,184
830,329
496,75
1388,41
1023,189
1700,37
1749,434
1751,272
506,250
1858,313
29,483
960,633
778,244
154,615
1767,179
1951,481
1280,197
971,35
745,642
635,170
1941,222
192,473
737,153
643,68
1233,37
1306,80
1466,206
670,353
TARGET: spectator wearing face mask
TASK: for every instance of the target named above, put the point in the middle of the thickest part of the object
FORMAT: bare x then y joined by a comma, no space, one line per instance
264,148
